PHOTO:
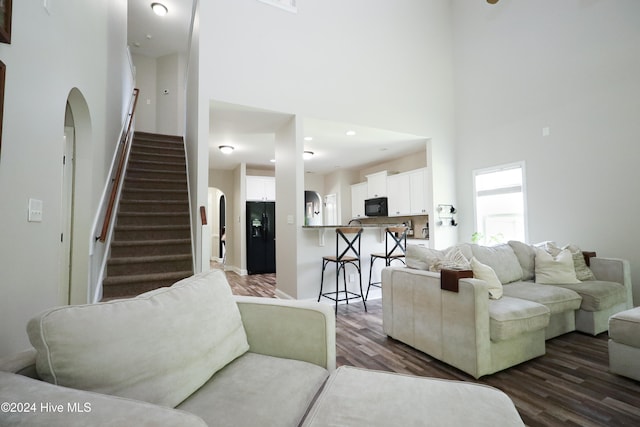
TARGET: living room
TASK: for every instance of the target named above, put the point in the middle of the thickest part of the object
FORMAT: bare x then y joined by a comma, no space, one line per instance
553,84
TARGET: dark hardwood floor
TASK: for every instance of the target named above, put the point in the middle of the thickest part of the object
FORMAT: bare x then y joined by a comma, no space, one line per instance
569,386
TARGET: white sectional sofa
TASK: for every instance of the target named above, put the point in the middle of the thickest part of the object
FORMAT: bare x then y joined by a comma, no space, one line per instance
480,335
194,355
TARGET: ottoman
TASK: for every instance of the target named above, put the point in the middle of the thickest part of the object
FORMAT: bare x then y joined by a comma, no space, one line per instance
624,343
362,397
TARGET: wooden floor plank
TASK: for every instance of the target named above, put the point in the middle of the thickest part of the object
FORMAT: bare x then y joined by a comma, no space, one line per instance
569,386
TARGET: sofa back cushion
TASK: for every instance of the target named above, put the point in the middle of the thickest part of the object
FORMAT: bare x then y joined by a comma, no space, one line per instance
527,258
502,259
158,347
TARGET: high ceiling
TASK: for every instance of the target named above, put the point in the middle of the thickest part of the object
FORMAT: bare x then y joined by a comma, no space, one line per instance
250,130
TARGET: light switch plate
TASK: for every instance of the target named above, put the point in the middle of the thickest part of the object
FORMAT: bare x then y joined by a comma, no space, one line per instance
35,210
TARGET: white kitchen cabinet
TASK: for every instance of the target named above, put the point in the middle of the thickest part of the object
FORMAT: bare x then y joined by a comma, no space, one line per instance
420,192
358,195
261,188
377,185
409,193
399,198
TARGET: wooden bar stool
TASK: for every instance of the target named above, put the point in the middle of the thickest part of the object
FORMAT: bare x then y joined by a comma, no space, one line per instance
350,238
395,246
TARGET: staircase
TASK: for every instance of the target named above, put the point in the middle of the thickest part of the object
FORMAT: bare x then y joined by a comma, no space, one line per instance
151,244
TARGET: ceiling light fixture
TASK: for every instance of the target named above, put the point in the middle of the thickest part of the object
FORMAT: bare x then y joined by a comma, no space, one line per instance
308,138
226,149
492,1
307,155
159,9
351,132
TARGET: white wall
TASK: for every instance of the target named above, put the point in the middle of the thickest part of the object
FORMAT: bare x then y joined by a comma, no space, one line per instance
380,64
161,81
45,61
147,102
571,66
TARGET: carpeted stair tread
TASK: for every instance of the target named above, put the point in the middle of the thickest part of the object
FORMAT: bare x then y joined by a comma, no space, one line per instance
152,227
150,259
137,278
141,164
156,171
151,242
129,179
165,203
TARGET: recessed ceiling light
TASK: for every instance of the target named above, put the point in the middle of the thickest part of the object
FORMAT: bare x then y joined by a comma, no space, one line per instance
272,160
159,9
351,132
308,138
307,155
225,149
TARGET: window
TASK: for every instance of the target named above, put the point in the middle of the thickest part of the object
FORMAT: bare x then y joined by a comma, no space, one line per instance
500,204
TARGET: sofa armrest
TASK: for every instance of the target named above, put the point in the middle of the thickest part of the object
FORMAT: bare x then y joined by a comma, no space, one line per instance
23,363
614,270
292,329
34,403
450,326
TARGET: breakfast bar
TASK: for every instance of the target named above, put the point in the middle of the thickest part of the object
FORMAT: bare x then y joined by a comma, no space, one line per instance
320,241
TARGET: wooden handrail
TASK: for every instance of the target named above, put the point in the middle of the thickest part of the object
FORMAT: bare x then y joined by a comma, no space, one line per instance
203,215
116,180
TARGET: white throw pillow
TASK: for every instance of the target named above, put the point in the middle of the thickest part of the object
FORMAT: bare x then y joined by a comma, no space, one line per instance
558,270
486,273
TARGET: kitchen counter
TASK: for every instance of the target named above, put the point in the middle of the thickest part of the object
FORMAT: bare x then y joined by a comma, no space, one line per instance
321,229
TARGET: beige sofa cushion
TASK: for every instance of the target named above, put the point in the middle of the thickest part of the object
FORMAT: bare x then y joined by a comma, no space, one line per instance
502,259
526,257
362,397
82,408
158,347
624,327
511,317
598,295
556,298
257,390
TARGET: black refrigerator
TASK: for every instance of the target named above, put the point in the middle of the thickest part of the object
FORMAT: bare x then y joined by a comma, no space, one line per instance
261,237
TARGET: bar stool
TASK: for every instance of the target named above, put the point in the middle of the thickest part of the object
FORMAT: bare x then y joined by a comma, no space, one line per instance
395,246
350,237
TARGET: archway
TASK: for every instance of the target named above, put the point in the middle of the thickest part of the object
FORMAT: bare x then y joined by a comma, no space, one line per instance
76,200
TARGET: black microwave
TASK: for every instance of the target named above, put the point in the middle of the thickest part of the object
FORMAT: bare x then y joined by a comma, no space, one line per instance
376,207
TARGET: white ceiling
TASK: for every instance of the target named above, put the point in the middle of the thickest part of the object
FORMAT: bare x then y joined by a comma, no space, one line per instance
250,130
152,35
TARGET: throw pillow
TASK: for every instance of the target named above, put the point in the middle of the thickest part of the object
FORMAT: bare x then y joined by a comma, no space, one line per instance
421,257
556,270
486,273
583,272
454,260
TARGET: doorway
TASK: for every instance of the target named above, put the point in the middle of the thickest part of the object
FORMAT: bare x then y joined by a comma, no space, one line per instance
67,208
218,212
222,229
